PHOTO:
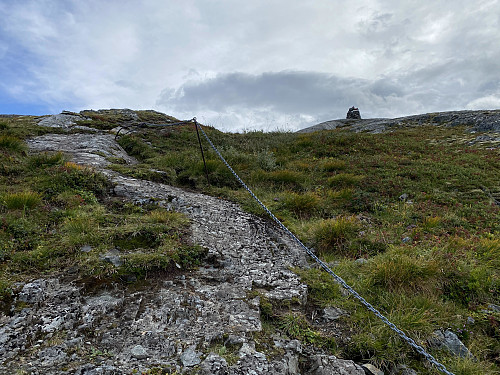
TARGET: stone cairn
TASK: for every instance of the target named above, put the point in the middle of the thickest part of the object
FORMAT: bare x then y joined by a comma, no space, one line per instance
353,113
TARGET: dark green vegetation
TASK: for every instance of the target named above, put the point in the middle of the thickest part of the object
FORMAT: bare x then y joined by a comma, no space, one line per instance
57,218
111,118
432,255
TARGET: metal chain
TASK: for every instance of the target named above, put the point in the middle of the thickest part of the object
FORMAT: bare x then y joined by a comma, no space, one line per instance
323,265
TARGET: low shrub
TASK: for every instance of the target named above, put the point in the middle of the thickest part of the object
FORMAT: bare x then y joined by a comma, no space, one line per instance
19,233
266,160
488,251
296,326
363,247
345,194
170,218
304,142
141,263
283,178
431,223
83,228
470,286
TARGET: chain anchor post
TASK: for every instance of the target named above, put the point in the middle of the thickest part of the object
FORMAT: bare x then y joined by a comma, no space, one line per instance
201,149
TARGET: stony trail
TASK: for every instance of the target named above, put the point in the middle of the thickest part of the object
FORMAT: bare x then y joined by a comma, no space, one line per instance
73,328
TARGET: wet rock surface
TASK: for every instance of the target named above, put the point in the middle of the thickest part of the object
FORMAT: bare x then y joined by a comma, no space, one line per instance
475,121
65,326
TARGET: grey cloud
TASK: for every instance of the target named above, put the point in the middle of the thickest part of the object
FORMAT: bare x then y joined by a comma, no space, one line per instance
287,91
309,61
308,97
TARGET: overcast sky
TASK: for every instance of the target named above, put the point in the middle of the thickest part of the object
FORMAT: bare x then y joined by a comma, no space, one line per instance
244,65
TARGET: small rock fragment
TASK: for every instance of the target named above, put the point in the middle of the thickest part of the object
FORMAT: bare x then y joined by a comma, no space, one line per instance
33,292
402,370
246,349
493,307
190,357
449,341
113,257
213,365
139,352
333,313
295,346
86,248
371,370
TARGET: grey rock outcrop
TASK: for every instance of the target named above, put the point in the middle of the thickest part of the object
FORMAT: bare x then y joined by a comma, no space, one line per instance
61,120
85,149
333,313
475,121
214,365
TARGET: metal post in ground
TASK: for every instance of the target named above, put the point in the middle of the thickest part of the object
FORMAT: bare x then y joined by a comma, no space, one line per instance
201,148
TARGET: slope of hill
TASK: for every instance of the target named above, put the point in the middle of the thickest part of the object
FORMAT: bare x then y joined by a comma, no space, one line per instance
138,265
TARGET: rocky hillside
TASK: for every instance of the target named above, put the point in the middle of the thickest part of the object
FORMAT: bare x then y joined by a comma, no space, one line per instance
474,121
137,266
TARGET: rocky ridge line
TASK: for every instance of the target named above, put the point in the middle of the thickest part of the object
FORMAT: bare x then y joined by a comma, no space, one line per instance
475,121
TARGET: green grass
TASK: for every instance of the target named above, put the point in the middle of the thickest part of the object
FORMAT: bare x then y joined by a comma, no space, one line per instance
333,235
338,191
22,200
11,144
51,208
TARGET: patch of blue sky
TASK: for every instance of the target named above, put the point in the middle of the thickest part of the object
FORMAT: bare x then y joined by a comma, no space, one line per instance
21,88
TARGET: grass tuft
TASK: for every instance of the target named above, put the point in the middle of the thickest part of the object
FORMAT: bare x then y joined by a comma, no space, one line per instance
395,272
304,205
332,235
333,165
46,160
11,144
344,180
24,200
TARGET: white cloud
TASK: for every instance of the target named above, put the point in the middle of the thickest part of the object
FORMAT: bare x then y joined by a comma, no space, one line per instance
389,58
486,102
